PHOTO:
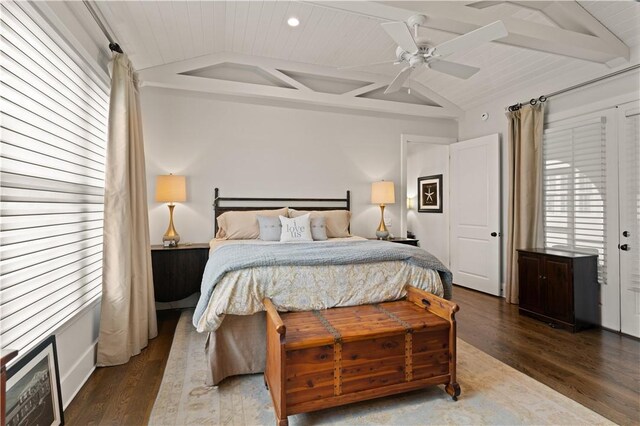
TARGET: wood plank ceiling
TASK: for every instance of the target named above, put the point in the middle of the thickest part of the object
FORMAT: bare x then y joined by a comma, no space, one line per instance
161,32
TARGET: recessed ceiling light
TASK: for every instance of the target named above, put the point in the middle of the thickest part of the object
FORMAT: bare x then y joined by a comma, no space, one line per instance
293,21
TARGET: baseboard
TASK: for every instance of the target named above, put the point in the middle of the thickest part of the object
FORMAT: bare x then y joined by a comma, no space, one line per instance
66,404
78,375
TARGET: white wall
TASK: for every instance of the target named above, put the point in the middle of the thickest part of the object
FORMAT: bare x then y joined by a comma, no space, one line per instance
432,229
594,97
260,150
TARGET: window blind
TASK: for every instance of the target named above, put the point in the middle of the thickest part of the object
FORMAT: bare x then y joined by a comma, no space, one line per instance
53,125
574,188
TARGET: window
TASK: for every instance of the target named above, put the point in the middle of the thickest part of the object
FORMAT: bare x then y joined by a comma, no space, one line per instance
574,187
53,125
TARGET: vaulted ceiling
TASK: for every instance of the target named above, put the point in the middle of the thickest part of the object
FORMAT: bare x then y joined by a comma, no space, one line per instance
550,44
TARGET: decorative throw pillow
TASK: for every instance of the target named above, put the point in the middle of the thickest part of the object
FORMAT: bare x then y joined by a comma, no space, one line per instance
336,221
270,228
296,229
243,225
318,229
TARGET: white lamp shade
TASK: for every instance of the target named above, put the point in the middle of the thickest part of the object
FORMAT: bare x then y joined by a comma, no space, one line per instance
382,193
171,189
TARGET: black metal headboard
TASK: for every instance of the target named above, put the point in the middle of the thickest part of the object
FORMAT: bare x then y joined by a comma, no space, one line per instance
252,203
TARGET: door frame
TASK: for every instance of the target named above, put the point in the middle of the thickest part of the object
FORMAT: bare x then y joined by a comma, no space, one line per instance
621,116
405,139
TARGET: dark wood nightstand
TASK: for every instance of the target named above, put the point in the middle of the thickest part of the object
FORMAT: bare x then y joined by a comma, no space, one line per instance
177,271
407,241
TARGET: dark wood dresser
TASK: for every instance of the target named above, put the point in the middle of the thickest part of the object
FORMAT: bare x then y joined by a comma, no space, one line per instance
177,271
559,287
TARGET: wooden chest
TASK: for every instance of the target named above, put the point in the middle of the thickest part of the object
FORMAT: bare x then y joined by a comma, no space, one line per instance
322,359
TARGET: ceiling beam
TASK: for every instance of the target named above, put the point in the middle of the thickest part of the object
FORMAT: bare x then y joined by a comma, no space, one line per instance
483,4
532,4
572,16
434,96
364,89
457,18
172,76
285,78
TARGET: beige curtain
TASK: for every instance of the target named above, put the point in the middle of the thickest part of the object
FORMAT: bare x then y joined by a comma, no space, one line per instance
525,188
128,317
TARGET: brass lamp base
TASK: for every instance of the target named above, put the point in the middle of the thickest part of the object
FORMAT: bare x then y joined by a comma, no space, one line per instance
171,237
382,232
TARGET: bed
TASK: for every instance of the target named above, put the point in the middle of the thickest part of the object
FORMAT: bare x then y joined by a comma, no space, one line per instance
342,270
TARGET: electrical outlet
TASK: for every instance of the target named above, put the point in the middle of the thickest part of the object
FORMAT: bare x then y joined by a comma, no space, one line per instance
387,221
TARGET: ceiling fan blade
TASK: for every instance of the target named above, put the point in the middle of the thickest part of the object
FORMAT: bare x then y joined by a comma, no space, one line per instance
400,33
367,65
397,82
470,40
453,68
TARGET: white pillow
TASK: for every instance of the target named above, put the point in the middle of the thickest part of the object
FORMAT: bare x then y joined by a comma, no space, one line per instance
296,229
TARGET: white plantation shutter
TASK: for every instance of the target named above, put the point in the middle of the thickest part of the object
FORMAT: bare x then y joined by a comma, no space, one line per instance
574,188
52,154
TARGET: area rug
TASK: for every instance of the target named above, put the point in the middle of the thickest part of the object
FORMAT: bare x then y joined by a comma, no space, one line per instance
492,393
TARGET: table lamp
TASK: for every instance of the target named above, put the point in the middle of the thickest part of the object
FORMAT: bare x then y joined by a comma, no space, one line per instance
170,189
382,193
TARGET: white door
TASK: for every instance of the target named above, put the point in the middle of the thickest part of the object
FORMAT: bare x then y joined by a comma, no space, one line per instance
475,213
629,237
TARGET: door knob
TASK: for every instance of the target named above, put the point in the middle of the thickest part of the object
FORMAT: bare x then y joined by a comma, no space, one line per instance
625,247
494,234
626,234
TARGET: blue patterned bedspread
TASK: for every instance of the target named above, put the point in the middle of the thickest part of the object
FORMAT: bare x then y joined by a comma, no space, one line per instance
239,256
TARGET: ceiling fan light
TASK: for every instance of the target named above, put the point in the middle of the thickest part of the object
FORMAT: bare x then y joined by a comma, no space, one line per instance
293,21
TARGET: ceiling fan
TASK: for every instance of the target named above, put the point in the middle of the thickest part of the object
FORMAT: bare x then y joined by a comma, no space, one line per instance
414,51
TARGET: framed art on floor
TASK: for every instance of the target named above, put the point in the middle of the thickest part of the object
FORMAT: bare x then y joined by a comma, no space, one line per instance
430,194
33,388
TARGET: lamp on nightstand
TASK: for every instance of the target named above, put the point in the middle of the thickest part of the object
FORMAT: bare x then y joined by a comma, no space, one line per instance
171,189
382,193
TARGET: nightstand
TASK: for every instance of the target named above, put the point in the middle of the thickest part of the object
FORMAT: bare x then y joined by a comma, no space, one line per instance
177,271
407,241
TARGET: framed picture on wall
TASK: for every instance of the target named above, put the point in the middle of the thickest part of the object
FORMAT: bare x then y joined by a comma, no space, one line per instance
430,194
33,388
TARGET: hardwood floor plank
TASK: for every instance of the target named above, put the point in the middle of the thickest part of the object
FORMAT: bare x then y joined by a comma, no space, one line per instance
125,394
597,368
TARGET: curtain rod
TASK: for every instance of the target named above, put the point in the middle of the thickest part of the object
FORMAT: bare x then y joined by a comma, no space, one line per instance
544,98
115,47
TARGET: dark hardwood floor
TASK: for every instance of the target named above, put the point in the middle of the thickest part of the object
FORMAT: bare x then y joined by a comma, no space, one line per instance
124,395
597,368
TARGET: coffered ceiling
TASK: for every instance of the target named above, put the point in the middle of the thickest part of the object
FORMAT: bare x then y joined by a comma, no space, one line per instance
550,44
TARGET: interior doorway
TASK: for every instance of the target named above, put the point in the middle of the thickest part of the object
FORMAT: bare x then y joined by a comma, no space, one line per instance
429,157
423,156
